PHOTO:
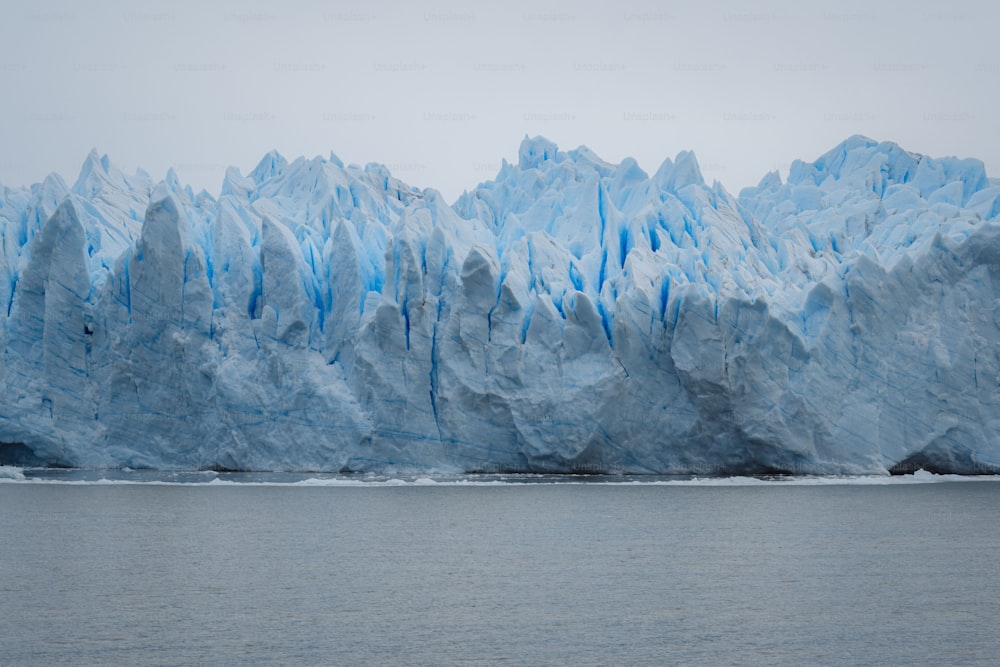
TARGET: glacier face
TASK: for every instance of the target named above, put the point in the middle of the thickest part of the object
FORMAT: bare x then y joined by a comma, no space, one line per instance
569,315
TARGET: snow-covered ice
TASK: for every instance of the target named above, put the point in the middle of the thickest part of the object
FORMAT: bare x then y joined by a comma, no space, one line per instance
568,315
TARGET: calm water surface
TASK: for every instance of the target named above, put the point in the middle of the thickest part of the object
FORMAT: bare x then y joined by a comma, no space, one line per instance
537,574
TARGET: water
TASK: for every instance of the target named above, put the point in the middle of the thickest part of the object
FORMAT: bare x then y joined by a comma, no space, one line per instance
379,571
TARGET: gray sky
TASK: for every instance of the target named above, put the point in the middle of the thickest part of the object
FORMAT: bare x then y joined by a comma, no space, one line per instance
440,91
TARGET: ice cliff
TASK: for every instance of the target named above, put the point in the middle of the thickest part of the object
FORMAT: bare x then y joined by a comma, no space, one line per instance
569,315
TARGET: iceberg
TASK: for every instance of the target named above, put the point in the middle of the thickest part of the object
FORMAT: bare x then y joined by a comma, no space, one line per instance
569,315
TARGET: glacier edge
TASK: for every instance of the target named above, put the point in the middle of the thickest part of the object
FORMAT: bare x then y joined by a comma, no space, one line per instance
569,315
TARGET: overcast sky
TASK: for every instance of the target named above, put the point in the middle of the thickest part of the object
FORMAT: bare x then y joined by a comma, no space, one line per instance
440,91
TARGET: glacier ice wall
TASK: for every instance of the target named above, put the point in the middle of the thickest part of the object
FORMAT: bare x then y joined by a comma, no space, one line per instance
569,315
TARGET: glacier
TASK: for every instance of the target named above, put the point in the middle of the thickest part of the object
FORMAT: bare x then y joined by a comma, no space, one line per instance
570,315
